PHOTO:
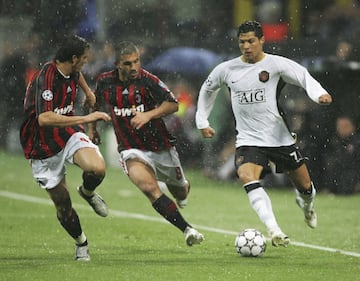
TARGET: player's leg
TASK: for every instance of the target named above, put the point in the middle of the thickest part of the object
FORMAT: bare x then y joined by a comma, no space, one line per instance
92,163
305,192
170,172
250,163
249,174
180,193
69,219
143,176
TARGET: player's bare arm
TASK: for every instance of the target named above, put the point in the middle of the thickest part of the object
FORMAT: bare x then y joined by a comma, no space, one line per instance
141,118
325,99
207,132
90,98
50,118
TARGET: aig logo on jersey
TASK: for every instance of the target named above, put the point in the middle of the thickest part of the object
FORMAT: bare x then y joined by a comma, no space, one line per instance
264,76
252,96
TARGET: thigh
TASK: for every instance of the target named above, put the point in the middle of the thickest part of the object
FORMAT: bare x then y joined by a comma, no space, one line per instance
169,168
143,176
49,172
286,158
250,154
90,160
81,151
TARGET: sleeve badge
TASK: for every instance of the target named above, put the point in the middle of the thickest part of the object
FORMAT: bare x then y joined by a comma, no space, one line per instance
47,95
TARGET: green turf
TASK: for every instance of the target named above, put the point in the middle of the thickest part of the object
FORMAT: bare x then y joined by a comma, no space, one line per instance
34,247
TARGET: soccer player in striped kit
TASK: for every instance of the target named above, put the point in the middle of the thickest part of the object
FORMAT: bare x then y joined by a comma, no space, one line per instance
137,100
262,134
51,135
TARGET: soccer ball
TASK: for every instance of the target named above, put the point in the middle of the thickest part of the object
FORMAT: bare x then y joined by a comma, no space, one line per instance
250,243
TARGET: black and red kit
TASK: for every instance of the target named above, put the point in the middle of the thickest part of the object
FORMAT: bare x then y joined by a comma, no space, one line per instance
144,93
49,90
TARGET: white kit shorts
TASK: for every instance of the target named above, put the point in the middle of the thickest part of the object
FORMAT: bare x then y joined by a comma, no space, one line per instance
50,171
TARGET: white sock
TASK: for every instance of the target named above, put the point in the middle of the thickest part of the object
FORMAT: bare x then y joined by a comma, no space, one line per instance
308,198
261,203
88,193
81,239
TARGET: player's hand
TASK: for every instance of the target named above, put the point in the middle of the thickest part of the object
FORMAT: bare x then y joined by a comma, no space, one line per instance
325,99
139,119
207,132
98,115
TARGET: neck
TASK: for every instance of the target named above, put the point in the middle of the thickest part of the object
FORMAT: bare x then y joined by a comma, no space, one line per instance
255,60
64,68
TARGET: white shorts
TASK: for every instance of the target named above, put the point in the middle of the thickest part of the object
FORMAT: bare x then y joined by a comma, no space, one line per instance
165,164
50,171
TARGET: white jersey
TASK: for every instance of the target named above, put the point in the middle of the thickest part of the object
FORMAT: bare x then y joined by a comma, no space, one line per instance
253,89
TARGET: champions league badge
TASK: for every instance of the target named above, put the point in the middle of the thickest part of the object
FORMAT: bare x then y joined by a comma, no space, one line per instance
264,76
47,95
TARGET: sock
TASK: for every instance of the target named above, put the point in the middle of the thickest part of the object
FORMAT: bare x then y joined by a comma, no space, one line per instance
90,182
261,203
71,224
308,196
308,192
81,240
167,208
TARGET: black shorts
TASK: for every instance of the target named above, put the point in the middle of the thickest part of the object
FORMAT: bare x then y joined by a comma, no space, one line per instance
285,158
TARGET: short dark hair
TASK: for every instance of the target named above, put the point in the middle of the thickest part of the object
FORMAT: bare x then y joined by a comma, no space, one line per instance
251,26
71,45
124,48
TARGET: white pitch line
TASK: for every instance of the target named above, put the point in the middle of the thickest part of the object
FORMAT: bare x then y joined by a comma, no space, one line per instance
116,213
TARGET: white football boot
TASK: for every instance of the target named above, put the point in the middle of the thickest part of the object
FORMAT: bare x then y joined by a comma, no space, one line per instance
279,238
192,236
96,202
82,253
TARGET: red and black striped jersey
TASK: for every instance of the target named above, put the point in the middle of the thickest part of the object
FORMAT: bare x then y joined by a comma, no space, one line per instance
144,94
49,90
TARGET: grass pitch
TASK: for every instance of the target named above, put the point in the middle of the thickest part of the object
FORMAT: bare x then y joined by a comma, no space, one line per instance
135,243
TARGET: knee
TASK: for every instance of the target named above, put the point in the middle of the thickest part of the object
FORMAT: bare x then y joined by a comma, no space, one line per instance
97,168
245,177
150,190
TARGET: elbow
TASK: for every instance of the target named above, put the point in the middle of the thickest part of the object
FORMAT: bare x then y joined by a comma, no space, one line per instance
41,121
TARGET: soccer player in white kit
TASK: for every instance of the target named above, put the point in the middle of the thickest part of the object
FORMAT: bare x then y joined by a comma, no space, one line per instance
262,134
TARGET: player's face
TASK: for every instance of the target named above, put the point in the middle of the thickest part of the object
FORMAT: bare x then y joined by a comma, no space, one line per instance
251,47
78,62
129,66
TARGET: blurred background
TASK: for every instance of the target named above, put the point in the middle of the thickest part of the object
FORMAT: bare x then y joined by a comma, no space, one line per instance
181,41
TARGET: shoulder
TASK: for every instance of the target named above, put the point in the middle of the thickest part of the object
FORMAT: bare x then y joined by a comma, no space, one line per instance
279,59
46,75
144,74
282,63
224,67
229,63
48,67
106,77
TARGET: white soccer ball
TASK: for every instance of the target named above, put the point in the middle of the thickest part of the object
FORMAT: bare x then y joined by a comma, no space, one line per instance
250,243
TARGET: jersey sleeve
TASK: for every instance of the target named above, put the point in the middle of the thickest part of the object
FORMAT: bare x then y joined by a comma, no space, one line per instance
44,90
295,74
159,90
207,95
